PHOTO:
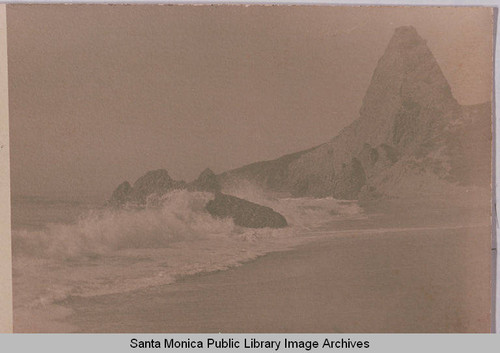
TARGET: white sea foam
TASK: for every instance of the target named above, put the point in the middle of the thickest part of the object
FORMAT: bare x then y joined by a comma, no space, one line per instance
110,251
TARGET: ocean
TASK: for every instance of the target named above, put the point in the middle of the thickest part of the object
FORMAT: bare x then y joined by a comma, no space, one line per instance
69,248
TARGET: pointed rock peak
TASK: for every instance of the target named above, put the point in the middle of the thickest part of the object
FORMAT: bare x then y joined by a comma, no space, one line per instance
207,181
155,174
121,193
406,72
158,172
153,182
406,36
405,31
124,185
159,176
206,172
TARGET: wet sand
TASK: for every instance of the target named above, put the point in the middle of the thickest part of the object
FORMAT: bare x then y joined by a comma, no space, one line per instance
429,280
417,266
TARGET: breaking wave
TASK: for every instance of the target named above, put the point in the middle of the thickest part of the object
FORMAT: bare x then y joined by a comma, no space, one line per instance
179,216
109,250
176,216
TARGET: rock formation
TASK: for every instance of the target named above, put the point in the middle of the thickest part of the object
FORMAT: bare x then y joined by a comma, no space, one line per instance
207,181
244,213
121,195
349,180
155,182
409,120
410,134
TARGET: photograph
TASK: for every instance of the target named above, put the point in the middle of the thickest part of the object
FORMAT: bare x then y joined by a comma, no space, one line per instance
251,169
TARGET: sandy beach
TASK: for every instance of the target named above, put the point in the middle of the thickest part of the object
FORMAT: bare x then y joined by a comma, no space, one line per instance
398,281
383,272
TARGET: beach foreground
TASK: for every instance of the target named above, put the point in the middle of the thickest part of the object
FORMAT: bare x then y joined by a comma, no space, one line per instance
413,265
396,281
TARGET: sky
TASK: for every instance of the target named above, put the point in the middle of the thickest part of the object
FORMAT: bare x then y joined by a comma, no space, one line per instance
99,94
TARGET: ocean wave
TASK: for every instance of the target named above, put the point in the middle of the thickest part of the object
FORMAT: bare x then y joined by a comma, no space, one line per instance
176,216
180,216
117,250
302,212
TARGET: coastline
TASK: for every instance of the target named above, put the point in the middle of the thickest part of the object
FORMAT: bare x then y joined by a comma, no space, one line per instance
408,281
383,272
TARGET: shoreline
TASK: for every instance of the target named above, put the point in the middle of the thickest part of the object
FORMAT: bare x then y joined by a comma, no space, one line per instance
385,288
331,282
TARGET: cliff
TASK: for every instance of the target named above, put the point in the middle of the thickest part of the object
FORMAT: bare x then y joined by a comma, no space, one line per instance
409,124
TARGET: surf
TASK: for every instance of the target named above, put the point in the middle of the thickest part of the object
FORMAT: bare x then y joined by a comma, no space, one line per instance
112,250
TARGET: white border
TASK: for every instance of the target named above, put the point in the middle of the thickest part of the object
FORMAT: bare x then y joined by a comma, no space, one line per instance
5,238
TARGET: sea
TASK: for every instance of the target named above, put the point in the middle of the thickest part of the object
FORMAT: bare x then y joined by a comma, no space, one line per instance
64,248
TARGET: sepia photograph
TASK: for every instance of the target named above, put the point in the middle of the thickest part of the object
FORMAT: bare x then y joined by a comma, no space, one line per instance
250,169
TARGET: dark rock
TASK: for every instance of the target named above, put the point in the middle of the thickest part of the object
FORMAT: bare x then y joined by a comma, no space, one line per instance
156,182
153,182
350,180
121,195
207,181
244,213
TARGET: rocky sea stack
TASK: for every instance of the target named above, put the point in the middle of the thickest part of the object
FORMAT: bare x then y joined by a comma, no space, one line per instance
207,181
158,182
155,182
122,194
244,213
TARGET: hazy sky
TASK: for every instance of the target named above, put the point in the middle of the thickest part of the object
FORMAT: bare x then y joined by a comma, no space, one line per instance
101,94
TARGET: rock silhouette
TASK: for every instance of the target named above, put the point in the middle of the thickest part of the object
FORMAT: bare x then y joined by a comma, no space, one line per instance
121,195
244,213
410,132
409,124
155,182
207,181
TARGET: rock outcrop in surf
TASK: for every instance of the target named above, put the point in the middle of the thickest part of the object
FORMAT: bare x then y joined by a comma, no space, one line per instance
155,182
207,181
244,213
158,182
122,194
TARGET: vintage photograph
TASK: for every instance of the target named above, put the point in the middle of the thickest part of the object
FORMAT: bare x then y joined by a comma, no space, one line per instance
244,169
